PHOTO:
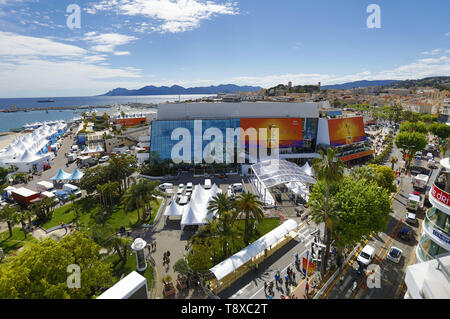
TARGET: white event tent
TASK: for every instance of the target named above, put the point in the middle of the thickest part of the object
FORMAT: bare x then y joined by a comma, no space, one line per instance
196,212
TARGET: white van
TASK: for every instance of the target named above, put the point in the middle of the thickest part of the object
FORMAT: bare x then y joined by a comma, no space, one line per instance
45,187
71,189
366,255
207,183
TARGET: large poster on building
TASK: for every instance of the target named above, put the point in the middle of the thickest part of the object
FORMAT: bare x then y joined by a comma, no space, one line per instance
290,131
346,131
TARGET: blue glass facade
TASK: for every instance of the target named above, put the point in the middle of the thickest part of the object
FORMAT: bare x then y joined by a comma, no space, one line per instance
162,143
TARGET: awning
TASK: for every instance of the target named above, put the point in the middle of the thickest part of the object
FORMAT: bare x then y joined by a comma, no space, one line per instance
356,155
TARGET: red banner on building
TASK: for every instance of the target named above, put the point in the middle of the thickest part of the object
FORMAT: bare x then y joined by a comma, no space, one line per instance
440,195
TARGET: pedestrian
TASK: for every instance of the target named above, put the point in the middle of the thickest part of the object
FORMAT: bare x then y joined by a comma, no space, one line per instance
342,279
265,287
307,287
293,276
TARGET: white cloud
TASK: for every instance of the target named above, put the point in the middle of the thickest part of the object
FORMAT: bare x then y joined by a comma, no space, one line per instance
416,70
447,34
19,45
39,67
171,16
434,52
107,42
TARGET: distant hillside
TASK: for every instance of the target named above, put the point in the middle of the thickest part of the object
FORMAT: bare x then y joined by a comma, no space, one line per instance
358,84
179,90
438,82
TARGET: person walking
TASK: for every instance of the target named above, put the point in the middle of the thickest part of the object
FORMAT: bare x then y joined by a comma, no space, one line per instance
293,277
265,287
307,288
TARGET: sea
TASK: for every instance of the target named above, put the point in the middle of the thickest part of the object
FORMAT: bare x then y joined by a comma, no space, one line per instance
14,120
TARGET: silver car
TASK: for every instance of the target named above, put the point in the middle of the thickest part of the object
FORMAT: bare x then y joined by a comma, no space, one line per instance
395,254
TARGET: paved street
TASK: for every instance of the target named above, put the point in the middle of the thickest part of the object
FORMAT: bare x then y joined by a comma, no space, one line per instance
392,274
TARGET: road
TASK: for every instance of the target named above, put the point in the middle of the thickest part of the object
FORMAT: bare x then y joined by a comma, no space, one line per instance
391,274
251,285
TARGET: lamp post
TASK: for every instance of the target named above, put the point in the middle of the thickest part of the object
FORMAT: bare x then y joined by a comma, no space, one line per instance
138,246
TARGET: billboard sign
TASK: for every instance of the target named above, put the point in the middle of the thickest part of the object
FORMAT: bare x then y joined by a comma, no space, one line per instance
290,131
346,131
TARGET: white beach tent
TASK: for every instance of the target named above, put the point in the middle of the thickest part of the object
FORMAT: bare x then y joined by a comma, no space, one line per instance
307,169
98,149
173,210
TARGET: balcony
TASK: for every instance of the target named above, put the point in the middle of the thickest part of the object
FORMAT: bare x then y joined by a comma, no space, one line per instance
437,227
427,249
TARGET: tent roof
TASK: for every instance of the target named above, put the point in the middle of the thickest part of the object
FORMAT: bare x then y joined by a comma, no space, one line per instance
28,157
61,175
77,174
174,209
196,212
237,260
275,172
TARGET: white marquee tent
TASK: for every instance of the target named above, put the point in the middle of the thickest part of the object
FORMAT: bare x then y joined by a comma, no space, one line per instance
196,212
173,210
231,264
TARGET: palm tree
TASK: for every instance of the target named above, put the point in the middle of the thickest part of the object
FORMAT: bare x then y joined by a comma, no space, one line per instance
330,170
250,205
9,215
394,160
141,195
220,204
22,217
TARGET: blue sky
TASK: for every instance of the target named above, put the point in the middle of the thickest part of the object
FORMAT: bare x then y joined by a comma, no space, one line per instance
133,43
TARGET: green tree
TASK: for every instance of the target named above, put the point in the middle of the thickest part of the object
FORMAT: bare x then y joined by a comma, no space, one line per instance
221,203
140,196
23,216
441,130
40,270
420,127
329,169
384,177
250,205
106,236
199,259
9,215
410,143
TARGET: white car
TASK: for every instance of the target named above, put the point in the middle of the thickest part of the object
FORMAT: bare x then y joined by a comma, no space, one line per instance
237,187
181,186
189,187
103,159
366,255
395,254
166,186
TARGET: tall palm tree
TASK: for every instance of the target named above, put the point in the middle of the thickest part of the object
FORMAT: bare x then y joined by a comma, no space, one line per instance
394,160
9,215
22,217
221,203
329,169
250,205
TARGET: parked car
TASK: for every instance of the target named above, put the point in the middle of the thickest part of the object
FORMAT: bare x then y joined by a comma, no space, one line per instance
405,233
103,159
411,218
181,186
395,254
237,187
165,186
189,187
366,255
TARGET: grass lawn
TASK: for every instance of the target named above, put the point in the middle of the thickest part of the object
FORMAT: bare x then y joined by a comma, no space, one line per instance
120,270
11,244
267,225
89,207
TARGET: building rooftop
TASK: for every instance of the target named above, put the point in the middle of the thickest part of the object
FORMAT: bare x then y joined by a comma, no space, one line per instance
191,111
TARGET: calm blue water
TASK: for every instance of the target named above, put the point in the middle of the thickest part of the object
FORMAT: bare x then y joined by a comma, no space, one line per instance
13,120
93,100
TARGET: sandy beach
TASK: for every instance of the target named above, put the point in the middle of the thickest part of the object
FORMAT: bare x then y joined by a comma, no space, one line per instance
7,137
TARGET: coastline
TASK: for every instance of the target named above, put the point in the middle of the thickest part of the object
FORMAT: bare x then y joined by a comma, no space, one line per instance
7,137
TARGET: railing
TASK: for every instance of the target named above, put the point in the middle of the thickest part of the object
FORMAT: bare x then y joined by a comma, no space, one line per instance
428,222
423,254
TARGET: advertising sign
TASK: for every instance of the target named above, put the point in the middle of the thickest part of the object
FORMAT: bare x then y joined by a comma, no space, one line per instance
304,266
346,131
440,195
290,131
